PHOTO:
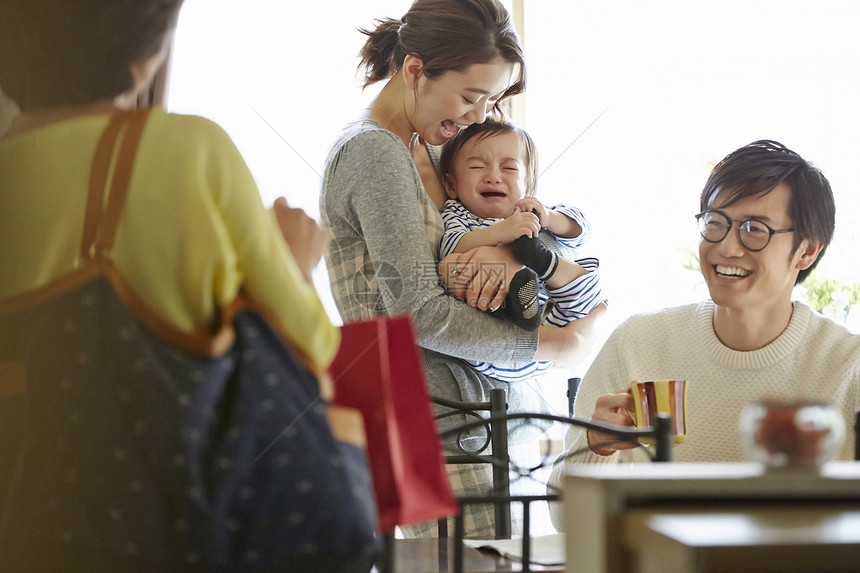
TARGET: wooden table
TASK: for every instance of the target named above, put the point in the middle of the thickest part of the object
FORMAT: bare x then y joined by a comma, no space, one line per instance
434,555
602,503
796,538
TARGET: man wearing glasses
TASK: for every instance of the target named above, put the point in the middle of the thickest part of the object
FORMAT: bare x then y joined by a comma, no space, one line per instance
767,217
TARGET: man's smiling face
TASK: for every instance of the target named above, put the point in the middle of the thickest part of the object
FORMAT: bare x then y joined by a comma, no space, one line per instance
742,279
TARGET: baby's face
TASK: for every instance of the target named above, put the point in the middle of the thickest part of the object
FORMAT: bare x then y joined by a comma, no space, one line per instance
488,175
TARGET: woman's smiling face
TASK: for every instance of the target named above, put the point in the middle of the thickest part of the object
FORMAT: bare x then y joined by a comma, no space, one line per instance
457,99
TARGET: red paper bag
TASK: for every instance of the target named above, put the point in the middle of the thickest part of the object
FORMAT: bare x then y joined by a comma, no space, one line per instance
378,371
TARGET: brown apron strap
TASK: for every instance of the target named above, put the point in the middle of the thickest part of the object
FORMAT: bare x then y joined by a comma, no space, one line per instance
121,179
98,179
102,221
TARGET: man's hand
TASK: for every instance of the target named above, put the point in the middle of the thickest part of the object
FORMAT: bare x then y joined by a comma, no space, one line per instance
611,409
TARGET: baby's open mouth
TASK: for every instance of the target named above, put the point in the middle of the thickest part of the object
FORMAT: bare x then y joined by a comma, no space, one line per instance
492,194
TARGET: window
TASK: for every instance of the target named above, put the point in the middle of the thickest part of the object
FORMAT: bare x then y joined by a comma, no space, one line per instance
630,104
279,77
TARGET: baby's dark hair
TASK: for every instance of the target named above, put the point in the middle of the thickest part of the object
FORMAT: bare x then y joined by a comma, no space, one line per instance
492,127
447,35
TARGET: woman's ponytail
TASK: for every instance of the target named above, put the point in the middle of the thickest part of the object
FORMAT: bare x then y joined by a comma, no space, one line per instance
379,55
446,35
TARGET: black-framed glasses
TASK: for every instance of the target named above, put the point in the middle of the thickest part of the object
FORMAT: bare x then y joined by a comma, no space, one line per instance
754,235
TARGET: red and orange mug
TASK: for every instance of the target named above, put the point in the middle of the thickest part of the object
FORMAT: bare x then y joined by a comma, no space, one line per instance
655,397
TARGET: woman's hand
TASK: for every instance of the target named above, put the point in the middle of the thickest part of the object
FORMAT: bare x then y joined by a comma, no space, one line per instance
479,276
305,238
611,409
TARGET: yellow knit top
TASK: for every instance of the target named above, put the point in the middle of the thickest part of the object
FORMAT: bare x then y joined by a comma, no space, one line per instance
192,233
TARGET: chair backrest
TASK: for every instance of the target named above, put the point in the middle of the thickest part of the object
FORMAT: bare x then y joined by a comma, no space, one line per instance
495,438
857,435
572,390
661,433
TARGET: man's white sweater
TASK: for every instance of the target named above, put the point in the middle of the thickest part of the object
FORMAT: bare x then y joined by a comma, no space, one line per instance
814,358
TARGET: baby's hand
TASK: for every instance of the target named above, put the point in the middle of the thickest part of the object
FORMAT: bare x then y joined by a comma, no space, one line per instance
519,224
528,204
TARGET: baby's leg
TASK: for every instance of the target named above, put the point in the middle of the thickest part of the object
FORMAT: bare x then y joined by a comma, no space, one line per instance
565,273
531,252
576,298
555,271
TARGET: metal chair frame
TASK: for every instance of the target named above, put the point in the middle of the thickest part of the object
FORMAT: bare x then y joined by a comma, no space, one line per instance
497,422
661,433
497,438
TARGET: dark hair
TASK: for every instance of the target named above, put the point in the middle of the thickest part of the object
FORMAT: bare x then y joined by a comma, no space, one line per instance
757,168
74,52
448,35
492,127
